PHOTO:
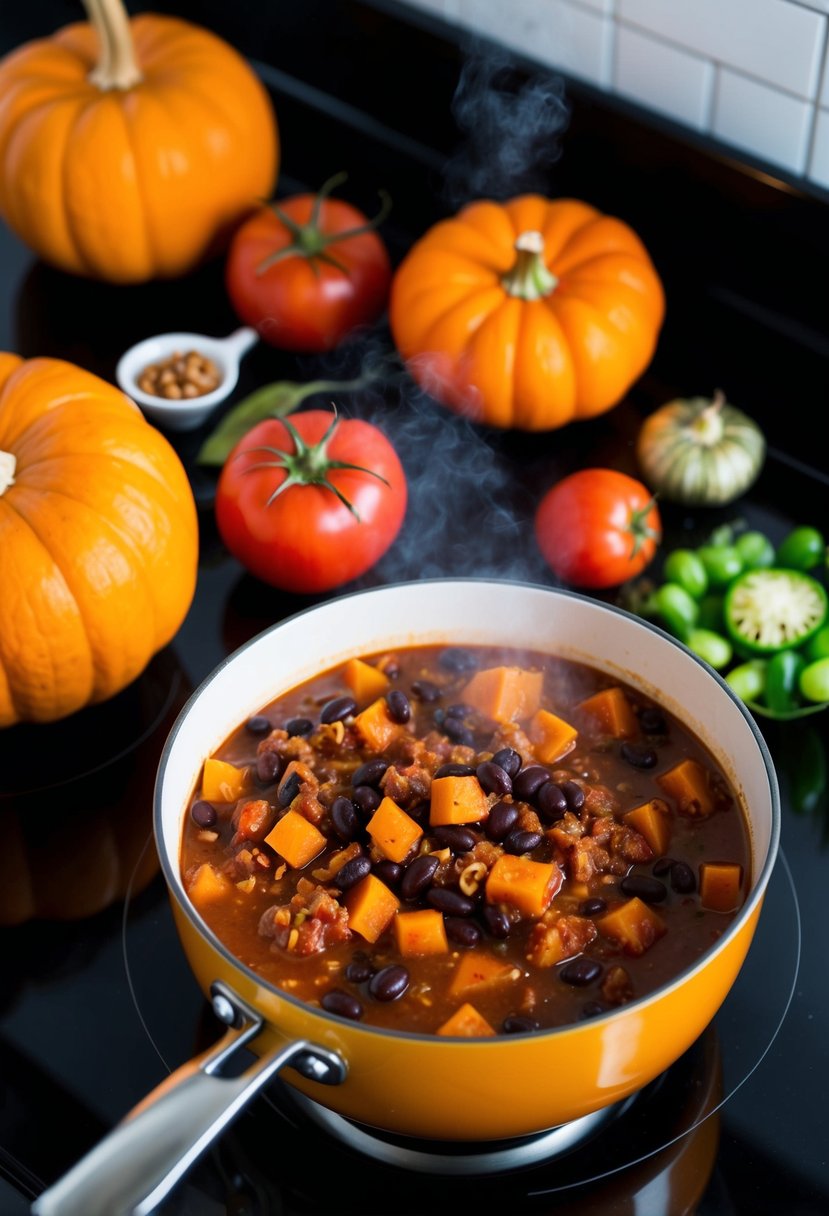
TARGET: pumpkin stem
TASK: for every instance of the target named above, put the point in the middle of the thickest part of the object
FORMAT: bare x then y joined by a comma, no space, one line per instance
117,67
708,425
8,463
529,278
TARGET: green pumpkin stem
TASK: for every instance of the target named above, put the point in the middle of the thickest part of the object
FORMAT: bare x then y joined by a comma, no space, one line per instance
308,464
117,66
309,241
529,278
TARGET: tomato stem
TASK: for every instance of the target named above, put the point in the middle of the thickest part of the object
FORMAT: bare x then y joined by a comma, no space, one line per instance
529,278
309,241
639,528
117,67
308,464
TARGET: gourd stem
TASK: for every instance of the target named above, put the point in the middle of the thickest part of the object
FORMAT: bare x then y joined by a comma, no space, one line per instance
117,67
8,464
529,278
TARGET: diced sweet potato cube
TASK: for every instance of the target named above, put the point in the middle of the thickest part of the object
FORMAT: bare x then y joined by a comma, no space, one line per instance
720,885
420,932
295,839
523,883
392,830
633,926
375,727
612,711
467,1023
371,906
457,800
207,885
687,784
653,821
223,782
366,682
505,694
476,968
551,736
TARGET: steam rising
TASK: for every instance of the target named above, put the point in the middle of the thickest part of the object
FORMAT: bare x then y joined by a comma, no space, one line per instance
510,127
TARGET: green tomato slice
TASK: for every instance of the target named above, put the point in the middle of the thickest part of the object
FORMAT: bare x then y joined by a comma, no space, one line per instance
770,609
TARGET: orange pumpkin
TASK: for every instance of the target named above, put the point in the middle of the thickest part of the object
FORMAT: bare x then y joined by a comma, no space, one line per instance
527,314
98,540
129,150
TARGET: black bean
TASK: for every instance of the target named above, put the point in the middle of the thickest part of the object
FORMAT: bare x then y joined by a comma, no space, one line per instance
494,779
358,971
682,878
397,704
462,932
389,984
581,972
343,1003
529,781
288,790
455,837
661,866
299,726
344,818
388,872
367,798
457,659
638,755
455,729
640,886
425,690
370,773
592,1009
592,907
653,721
516,1023
258,725
458,710
417,876
509,760
337,709
574,794
501,820
551,801
268,767
497,922
352,872
522,842
203,814
453,903
451,769
420,813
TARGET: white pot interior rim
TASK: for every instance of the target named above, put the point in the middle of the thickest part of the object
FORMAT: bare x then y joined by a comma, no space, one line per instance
467,611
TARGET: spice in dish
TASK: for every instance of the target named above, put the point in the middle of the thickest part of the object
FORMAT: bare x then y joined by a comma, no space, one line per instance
465,841
183,375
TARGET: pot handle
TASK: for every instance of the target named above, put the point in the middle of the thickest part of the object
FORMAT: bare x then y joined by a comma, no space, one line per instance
133,1168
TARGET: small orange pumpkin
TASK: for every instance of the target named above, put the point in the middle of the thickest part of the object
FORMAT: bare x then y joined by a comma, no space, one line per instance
129,150
98,540
527,314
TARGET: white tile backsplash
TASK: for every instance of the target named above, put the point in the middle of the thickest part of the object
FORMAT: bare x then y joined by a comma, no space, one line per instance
752,74
659,75
819,166
772,125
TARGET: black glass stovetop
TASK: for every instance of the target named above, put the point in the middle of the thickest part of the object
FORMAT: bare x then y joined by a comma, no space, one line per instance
97,1002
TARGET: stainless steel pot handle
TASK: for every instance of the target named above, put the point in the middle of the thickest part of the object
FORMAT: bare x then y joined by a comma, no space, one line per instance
132,1170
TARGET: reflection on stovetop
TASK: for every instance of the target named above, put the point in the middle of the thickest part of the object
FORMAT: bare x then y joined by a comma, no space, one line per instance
653,1155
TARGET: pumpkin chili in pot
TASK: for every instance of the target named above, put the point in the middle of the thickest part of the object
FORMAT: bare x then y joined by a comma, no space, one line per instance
465,841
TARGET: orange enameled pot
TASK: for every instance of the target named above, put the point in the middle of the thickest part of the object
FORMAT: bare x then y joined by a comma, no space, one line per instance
513,1085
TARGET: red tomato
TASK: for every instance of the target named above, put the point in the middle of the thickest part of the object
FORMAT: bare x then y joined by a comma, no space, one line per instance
597,528
278,504
295,274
